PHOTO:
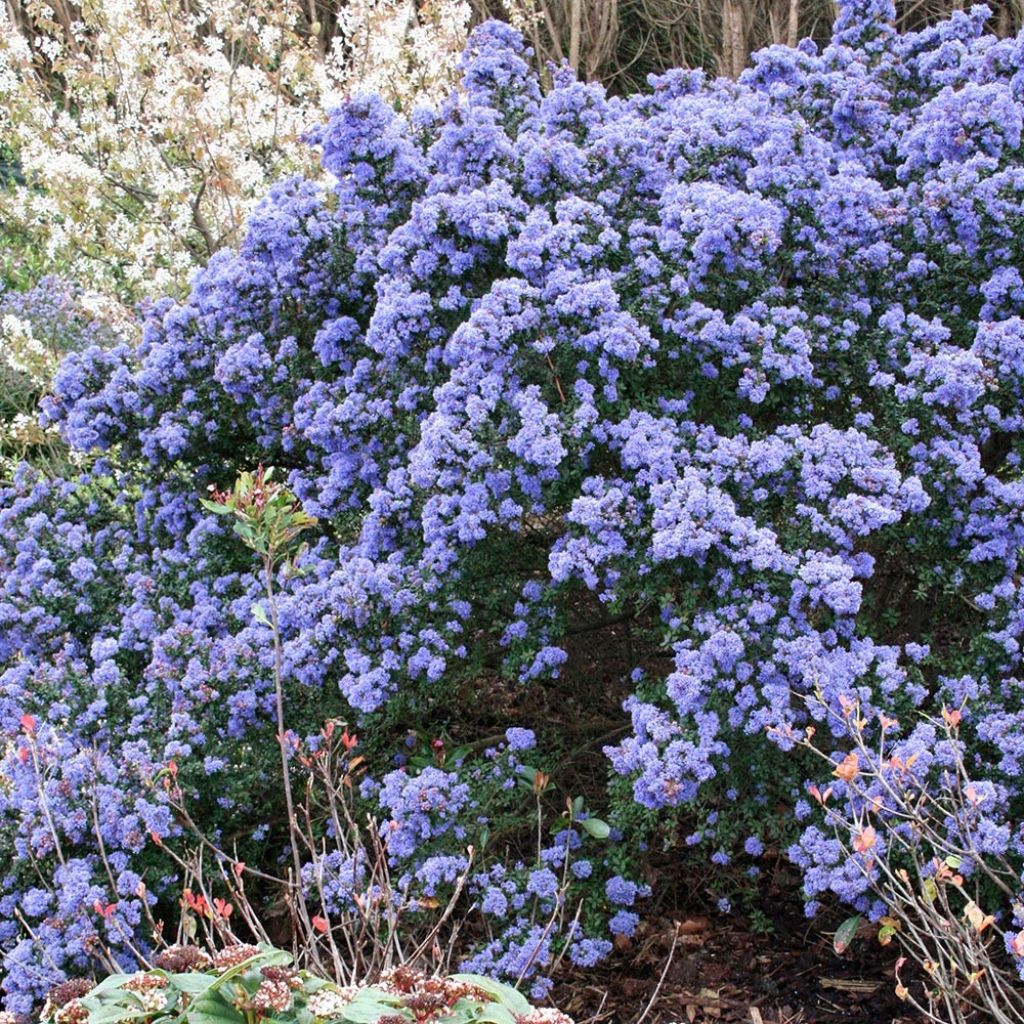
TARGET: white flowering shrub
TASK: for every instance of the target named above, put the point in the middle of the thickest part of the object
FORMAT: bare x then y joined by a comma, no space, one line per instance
145,134
38,327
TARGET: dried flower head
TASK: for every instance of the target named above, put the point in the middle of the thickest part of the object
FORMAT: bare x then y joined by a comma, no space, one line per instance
329,1001
232,956
62,994
283,975
182,959
272,997
71,1013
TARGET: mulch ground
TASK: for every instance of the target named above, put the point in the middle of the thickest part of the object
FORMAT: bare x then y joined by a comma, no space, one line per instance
723,973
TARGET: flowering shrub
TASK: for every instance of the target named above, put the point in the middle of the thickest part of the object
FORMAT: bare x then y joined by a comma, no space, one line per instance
729,375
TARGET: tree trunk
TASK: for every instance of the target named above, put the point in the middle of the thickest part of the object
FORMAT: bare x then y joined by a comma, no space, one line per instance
734,43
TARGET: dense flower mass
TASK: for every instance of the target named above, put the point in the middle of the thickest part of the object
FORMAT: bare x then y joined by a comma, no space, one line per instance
739,363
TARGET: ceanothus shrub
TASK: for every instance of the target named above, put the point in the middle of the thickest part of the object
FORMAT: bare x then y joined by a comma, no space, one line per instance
739,363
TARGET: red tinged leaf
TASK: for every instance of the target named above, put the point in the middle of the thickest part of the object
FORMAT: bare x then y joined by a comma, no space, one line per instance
848,768
865,840
321,924
845,934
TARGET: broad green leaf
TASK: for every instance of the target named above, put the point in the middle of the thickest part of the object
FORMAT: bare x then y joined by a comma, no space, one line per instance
369,1006
596,827
216,507
209,1009
193,984
504,994
495,1013
259,614
845,934
110,983
112,1014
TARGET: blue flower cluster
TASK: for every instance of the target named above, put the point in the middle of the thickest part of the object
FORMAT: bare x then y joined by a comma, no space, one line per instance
739,363
437,825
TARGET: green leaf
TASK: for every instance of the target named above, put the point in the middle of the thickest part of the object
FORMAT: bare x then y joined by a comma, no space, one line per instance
216,508
370,1005
210,1010
953,861
110,983
495,1013
596,827
459,1014
504,994
845,934
194,984
111,1014
259,614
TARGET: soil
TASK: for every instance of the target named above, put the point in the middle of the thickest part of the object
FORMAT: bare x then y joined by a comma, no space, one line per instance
720,972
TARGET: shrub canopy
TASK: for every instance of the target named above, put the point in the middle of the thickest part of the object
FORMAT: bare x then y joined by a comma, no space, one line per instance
738,365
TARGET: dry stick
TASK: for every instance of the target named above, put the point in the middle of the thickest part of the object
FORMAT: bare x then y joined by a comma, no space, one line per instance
596,1015
558,383
448,910
661,981
139,955
42,947
45,803
279,709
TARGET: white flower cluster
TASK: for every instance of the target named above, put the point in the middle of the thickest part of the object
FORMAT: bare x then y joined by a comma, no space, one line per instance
329,1002
22,351
183,115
